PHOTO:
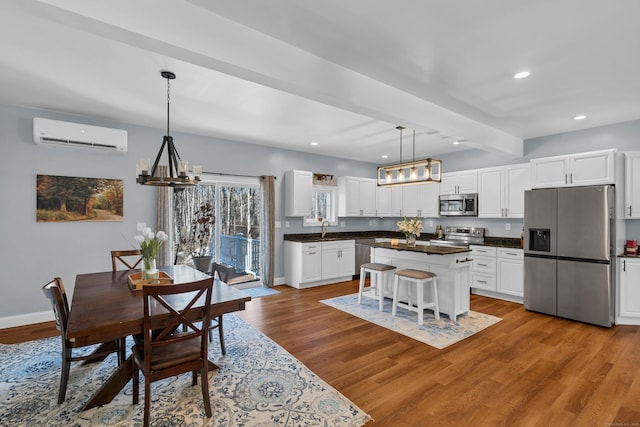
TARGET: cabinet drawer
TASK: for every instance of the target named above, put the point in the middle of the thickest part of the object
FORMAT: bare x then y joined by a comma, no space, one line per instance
510,253
312,247
483,281
338,244
483,265
487,251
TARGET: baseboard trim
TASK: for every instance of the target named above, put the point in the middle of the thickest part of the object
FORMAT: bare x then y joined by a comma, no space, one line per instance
26,319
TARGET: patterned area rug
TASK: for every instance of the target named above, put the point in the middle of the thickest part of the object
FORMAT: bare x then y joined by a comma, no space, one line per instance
436,333
258,384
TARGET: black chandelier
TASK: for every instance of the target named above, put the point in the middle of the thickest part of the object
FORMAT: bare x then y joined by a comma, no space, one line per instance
178,168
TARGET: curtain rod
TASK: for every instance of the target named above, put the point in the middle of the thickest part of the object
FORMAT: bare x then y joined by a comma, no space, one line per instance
235,174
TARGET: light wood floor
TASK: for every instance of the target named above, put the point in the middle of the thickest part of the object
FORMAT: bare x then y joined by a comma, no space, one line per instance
528,370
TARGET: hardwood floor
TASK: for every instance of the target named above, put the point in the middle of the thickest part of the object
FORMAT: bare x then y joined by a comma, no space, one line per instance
527,370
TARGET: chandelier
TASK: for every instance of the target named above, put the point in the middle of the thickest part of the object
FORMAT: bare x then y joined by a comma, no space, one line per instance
414,172
178,168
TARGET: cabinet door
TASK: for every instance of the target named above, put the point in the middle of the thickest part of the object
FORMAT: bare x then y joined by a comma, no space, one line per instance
298,188
396,201
349,196
517,179
383,201
592,168
330,263
347,257
449,183
491,193
511,272
411,200
468,182
629,301
311,265
632,185
429,200
550,172
367,197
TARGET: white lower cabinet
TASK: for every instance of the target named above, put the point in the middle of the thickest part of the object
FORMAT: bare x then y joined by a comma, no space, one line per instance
629,295
318,263
498,272
511,271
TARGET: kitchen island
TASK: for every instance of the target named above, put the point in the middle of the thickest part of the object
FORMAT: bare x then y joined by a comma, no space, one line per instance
450,264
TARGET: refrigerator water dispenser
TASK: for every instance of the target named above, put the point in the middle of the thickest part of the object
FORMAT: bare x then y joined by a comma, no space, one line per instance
540,239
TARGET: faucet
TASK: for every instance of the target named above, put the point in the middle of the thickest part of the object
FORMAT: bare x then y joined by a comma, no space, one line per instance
324,230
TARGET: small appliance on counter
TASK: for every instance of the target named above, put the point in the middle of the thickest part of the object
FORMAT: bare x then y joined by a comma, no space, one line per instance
631,248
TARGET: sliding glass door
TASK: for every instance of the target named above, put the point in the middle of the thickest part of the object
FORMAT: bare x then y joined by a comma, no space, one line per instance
235,238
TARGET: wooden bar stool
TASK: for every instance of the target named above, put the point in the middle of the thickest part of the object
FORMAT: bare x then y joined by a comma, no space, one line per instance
379,281
419,278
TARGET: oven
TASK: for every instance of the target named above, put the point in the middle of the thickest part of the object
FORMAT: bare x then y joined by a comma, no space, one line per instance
459,204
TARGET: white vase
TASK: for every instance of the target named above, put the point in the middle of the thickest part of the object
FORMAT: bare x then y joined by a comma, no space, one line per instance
149,269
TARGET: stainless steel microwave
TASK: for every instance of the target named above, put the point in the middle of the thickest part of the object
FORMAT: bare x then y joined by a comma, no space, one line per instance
459,204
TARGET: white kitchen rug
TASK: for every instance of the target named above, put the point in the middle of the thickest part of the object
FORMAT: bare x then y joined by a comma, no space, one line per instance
436,333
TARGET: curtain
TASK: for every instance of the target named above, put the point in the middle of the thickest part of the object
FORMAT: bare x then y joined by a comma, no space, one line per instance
164,220
267,229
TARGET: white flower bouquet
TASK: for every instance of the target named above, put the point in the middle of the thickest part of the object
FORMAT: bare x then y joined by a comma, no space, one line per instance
411,227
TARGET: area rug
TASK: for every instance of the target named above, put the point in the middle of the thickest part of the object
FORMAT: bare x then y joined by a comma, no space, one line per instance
260,291
257,384
436,333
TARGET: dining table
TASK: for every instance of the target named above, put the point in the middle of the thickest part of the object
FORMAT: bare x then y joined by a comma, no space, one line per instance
105,308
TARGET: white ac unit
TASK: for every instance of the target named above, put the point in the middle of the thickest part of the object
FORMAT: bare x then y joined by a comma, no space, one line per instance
67,134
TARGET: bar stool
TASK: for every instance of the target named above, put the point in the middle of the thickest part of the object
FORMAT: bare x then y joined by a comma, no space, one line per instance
379,281
420,278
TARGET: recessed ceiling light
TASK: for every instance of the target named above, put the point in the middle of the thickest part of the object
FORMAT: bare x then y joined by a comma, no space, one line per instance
521,75
580,117
314,143
456,142
384,156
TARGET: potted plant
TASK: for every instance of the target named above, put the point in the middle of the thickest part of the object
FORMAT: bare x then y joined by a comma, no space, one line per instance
197,240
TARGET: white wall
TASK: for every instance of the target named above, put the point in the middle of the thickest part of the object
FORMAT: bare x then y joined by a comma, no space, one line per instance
33,253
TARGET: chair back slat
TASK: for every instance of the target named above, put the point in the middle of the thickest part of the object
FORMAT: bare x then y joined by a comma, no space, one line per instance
54,290
125,257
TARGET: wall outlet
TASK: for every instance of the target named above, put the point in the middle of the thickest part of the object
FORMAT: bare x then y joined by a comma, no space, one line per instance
278,224
507,226
286,224
430,223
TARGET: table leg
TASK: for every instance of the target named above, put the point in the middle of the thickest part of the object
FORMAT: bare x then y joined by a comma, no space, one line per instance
114,384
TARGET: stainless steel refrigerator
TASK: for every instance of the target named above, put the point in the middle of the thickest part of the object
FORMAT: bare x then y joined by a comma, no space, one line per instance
569,244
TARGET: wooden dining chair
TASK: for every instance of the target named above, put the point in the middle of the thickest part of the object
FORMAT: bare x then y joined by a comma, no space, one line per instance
167,349
55,291
130,258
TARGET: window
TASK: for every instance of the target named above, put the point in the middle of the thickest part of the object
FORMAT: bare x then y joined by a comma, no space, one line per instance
323,206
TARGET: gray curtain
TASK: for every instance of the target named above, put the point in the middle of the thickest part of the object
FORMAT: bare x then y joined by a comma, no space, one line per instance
164,220
267,229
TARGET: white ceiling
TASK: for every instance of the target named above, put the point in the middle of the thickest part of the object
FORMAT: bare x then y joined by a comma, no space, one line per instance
342,73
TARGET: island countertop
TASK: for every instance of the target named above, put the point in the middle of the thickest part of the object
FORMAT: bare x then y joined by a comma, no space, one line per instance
430,250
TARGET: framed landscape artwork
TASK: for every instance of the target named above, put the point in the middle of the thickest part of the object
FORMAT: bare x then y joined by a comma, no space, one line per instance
66,198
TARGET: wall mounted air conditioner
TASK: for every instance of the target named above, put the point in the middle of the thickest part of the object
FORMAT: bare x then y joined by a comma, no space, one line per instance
67,134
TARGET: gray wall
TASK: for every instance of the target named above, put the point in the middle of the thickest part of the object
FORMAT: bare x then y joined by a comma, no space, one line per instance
34,253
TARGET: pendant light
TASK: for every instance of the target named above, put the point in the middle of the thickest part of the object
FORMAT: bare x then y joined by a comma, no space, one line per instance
410,172
178,168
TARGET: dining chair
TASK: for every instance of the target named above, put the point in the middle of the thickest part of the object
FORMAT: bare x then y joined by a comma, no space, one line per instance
166,349
130,258
55,291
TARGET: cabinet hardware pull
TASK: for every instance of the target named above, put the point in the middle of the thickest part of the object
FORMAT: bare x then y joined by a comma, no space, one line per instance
464,260
482,265
482,281
565,179
629,210
311,253
624,265
510,253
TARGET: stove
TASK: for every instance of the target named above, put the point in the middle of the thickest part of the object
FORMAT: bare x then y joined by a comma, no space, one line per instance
460,237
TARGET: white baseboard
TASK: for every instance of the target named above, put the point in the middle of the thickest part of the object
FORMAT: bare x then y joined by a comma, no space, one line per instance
26,319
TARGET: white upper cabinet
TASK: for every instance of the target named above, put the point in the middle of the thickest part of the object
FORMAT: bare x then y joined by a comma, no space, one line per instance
298,188
429,206
356,196
462,182
383,201
501,191
632,184
592,168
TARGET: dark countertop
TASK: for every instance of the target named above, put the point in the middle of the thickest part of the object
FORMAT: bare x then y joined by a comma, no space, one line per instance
628,256
503,242
430,250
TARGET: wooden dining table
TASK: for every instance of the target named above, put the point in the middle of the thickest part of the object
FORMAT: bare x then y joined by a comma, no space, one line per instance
104,308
